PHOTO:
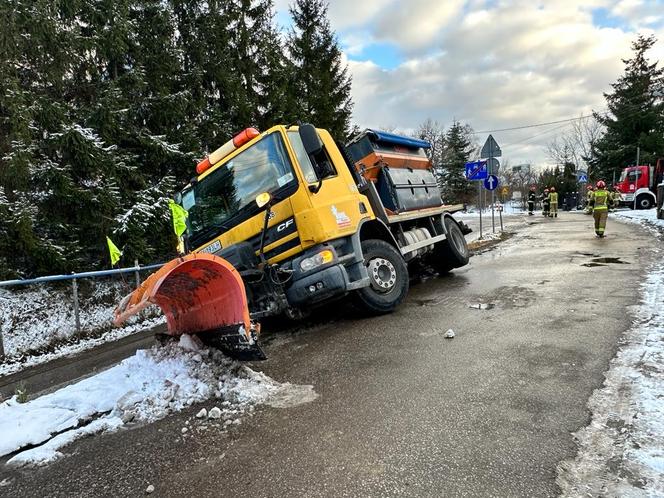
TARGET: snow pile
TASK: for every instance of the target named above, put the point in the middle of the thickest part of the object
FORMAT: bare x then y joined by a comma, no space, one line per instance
144,388
38,325
622,450
646,217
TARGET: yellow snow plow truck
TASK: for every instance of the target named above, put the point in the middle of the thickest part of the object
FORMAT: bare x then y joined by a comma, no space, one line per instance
284,220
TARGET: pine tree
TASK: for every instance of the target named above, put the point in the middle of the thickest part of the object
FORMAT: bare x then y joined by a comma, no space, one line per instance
635,117
322,82
456,152
257,53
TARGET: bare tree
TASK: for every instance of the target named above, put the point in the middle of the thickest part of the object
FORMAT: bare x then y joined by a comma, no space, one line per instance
518,179
574,146
434,133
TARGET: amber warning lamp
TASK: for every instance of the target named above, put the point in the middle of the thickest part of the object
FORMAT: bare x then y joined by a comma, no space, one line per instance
236,142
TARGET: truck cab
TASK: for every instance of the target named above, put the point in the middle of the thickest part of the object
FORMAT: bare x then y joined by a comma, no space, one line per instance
311,233
638,185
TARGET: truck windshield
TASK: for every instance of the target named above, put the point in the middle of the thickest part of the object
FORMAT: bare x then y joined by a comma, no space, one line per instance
226,196
631,175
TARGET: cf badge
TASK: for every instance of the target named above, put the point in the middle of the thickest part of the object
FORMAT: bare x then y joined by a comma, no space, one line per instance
283,226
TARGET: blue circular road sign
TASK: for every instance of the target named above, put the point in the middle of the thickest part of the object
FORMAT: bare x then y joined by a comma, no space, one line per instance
491,182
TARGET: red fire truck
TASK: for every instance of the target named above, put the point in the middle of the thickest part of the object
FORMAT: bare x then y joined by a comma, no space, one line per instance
642,187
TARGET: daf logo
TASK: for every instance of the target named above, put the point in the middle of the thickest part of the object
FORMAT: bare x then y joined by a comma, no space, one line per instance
283,226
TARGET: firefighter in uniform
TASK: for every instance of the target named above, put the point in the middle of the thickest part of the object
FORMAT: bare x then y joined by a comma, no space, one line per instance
532,197
589,195
545,202
553,203
600,203
615,198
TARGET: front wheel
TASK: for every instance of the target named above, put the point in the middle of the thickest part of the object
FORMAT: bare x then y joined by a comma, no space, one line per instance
388,276
643,202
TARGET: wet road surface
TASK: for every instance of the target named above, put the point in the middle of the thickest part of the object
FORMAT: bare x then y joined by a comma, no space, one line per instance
402,411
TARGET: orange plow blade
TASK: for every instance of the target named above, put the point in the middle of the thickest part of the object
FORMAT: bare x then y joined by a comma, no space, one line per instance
200,294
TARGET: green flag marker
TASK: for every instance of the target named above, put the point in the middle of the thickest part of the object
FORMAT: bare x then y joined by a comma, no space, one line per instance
179,218
113,250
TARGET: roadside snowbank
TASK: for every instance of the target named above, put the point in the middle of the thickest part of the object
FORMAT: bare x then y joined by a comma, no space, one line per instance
621,452
646,217
143,388
38,325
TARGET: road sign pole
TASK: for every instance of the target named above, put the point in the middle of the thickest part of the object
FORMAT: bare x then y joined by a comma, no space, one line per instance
479,202
493,195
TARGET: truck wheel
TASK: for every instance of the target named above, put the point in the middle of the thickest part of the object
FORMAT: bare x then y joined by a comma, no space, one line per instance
643,202
452,252
388,274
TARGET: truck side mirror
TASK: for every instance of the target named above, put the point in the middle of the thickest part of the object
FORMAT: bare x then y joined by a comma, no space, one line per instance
310,139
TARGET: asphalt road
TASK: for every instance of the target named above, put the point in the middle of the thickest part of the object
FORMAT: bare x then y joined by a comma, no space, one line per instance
402,411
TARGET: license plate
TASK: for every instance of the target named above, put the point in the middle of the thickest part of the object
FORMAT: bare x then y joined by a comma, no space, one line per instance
214,247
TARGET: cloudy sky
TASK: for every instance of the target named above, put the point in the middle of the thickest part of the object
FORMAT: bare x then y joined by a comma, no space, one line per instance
490,63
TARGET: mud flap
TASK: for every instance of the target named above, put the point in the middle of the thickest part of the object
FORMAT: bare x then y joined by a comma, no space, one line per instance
200,294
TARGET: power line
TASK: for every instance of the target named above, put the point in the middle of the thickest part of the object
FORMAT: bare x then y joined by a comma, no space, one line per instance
521,142
533,125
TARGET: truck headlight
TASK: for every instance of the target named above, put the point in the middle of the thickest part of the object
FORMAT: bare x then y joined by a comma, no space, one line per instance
319,259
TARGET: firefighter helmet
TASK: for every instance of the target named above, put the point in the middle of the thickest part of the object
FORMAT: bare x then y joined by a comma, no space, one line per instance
553,189
589,187
601,184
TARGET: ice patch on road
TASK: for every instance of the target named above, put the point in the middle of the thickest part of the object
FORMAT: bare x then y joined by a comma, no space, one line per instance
143,388
621,452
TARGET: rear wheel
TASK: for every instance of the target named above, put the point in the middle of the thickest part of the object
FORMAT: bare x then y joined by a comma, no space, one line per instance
388,276
452,252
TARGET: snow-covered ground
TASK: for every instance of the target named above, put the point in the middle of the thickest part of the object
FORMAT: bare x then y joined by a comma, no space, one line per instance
621,452
645,217
141,389
37,324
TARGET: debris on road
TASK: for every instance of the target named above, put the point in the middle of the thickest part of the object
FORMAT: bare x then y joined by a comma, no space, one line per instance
143,388
202,413
481,306
149,489
449,334
215,413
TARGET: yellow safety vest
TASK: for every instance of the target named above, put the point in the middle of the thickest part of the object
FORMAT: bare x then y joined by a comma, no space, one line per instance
601,200
553,197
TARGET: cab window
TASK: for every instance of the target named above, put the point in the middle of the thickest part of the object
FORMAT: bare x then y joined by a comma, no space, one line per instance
303,158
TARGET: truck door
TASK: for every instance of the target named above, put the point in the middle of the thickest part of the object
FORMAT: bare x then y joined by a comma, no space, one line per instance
336,206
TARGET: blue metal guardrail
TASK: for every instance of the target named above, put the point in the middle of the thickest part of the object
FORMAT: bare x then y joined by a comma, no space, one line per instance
74,277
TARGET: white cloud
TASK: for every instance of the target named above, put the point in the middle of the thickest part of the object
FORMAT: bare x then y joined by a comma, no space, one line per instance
638,12
490,63
517,63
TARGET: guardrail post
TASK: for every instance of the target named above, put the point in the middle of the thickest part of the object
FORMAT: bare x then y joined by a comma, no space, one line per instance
138,275
74,287
2,346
